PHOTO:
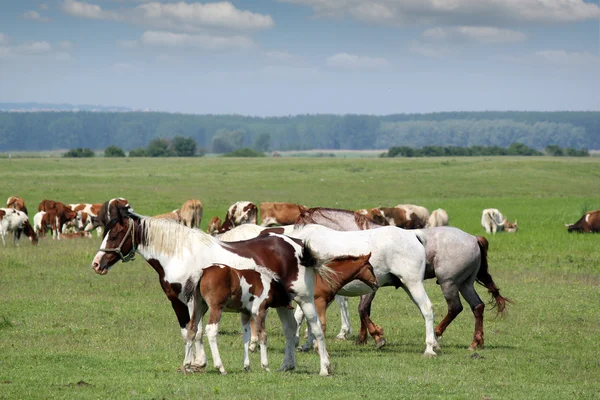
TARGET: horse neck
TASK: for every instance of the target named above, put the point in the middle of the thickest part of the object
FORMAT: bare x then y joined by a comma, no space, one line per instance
163,240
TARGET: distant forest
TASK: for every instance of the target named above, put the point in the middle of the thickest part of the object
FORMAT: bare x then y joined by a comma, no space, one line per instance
32,131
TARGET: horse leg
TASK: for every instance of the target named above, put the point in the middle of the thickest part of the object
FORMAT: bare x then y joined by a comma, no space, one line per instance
364,311
416,291
314,324
346,329
450,292
212,329
3,234
321,308
299,316
477,306
200,361
188,333
262,337
289,329
253,335
245,319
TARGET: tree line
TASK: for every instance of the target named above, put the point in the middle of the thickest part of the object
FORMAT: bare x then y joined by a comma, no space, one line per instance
515,149
133,131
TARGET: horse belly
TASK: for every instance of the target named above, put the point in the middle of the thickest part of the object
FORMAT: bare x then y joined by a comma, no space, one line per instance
354,288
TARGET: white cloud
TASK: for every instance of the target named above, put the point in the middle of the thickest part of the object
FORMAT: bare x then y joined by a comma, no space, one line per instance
194,16
180,16
33,47
65,44
483,34
87,10
43,6
455,12
34,15
205,42
352,61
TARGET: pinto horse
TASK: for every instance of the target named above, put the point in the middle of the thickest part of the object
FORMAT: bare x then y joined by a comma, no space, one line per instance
17,222
456,259
17,203
179,254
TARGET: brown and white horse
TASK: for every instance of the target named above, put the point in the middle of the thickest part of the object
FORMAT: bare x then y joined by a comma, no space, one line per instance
248,291
17,203
179,255
17,222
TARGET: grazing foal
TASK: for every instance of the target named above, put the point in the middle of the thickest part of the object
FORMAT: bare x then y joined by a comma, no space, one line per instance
250,292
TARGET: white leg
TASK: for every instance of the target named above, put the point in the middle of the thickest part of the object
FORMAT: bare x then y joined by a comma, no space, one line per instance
312,319
245,319
299,316
416,292
211,332
3,238
200,360
289,329
346,329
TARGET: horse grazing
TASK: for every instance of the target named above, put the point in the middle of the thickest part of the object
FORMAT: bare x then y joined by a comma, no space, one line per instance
17,222
191,213
248,291
329,217
17,203
438,217
179,255
456,259
493,221
347,269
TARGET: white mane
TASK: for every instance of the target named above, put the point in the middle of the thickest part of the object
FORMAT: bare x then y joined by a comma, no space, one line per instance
170,238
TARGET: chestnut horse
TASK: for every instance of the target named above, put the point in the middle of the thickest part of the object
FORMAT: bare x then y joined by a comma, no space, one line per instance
455,258
179,255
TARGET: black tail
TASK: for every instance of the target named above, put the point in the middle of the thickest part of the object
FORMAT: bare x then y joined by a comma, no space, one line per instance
485,279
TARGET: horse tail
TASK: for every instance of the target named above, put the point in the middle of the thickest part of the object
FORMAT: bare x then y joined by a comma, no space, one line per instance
310,259
485,279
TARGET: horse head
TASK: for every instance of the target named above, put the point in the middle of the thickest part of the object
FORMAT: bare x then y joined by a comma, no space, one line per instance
118,244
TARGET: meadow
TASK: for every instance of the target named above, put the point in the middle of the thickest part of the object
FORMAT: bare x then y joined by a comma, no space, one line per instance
66,332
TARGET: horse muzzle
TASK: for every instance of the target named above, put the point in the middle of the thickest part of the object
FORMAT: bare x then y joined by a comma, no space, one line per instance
99,269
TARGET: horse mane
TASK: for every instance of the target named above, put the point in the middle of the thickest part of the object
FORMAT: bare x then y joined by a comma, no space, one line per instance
166,237
307,217
266,271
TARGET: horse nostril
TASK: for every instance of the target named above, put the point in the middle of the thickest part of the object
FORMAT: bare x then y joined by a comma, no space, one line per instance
95,265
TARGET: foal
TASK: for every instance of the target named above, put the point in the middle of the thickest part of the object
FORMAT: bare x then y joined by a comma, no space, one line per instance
347,269
250,292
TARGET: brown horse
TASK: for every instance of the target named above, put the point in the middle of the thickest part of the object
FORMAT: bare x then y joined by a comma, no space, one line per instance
191,213
17,203
455,258
179,255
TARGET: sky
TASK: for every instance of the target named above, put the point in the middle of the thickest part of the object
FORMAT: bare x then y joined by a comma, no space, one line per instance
289,57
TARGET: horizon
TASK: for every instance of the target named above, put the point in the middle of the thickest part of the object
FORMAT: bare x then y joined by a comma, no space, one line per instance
277,58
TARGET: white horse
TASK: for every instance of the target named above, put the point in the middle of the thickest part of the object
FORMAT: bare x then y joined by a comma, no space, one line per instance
179,255
398,259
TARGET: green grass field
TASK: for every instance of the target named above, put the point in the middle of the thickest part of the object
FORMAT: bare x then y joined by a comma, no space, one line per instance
66,332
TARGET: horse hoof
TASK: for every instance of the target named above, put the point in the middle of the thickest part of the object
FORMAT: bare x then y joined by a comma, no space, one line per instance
429,354
380,343
223,372
246,368
304,348
195,368
286,368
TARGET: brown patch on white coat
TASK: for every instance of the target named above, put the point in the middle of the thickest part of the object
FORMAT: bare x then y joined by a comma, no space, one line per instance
248,291
402,217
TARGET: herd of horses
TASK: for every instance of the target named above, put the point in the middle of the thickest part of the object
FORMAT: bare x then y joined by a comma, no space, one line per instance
325,254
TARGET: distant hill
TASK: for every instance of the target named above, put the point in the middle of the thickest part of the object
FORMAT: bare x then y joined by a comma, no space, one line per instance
50,107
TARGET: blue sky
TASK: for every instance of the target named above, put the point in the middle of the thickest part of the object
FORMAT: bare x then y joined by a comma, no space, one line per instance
287,57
